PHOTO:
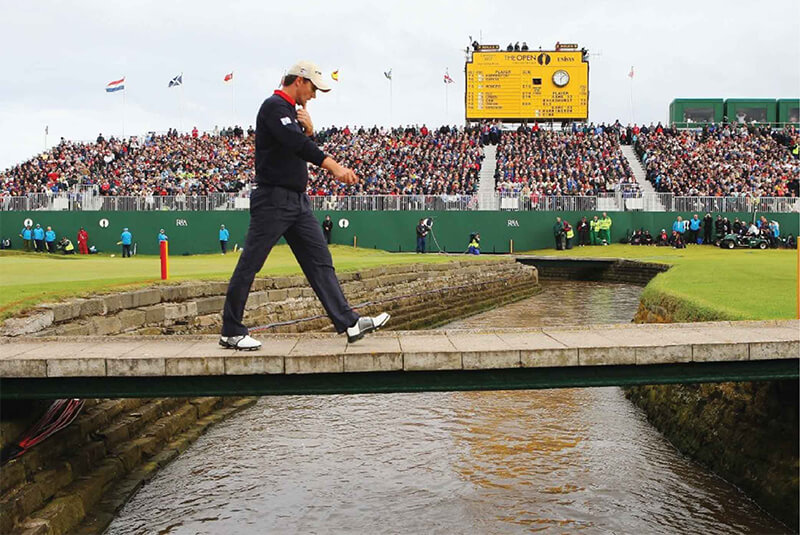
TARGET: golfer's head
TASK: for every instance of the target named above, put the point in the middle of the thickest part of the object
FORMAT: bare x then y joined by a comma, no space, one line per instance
303,80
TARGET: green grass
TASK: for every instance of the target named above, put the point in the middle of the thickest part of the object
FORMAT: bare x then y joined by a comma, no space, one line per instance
709,283
28,279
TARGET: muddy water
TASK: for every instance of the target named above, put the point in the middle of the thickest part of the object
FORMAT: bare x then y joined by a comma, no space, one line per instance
553,461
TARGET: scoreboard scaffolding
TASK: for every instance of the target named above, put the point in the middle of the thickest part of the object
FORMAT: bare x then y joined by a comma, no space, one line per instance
527,86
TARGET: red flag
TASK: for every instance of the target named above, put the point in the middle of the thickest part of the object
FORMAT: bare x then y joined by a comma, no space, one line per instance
228,77
630,74
447,79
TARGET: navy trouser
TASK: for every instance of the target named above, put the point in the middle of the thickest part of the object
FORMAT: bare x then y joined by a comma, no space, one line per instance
276,212
420,244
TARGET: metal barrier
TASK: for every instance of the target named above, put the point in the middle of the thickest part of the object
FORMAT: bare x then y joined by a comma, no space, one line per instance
619,201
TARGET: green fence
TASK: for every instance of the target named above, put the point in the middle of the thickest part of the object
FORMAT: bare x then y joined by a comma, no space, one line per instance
198,232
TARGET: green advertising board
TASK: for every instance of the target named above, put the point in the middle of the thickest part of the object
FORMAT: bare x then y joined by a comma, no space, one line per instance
198,232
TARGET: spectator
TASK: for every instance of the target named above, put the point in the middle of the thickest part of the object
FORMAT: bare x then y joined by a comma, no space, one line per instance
694,229
558,234
678,228
83,241
50,240
38,238
708,223
327,227
583,232
126,239
474,244
224,236
27,238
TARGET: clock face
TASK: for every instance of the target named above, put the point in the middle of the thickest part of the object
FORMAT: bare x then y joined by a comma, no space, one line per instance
561,78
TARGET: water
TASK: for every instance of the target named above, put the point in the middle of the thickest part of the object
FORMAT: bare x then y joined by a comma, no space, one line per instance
552,461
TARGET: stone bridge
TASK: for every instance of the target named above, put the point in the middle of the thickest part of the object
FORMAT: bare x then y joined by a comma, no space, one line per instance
402,361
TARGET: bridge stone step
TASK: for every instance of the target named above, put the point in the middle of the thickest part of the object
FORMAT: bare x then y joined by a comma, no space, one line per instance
601,345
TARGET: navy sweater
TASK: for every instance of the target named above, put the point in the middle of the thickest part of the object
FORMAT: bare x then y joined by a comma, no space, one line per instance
282,148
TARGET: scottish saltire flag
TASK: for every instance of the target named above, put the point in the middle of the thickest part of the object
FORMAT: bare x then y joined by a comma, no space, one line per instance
116,85
388,74
228,77
178,80
447,79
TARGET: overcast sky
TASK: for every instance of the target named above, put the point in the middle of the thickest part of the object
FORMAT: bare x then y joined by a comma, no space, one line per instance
58,57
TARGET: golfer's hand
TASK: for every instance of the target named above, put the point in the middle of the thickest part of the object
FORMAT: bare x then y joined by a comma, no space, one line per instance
305,120
340,173
343,174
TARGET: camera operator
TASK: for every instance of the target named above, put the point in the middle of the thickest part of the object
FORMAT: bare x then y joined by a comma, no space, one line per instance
422,233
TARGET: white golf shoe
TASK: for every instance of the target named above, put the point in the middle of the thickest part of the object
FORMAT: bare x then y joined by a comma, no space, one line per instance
242,343
366,325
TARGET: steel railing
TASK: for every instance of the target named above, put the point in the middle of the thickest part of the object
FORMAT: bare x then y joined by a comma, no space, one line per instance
507,201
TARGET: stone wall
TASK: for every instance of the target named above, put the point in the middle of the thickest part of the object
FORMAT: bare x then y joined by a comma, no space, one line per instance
591,269
415,294
745,432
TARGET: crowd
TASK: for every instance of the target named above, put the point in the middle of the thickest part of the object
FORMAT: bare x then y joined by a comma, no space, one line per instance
693,230
168,164
722,161
401,161
578,160
584,160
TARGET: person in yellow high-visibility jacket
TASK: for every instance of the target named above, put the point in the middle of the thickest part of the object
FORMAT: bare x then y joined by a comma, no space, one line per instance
605,229
594,228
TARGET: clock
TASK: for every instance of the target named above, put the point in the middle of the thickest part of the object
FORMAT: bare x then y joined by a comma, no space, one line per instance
561,78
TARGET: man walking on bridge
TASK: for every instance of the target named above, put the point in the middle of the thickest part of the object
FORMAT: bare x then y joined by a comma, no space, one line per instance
279,206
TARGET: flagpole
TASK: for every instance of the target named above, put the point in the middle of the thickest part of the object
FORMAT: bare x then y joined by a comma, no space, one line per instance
124,90
233,98
180,105
46,128
630,75
390,103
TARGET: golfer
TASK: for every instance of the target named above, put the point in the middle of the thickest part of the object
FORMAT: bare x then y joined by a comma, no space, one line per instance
279,207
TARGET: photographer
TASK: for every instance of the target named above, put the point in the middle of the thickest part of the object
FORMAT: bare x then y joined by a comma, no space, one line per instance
422,232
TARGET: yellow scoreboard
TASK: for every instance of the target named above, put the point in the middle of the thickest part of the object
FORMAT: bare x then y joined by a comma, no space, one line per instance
530,85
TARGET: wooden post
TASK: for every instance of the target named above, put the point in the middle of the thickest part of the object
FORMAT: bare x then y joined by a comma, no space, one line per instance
511,246
164,260
355,242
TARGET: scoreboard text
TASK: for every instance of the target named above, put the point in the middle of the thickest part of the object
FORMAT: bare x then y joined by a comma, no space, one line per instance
532,85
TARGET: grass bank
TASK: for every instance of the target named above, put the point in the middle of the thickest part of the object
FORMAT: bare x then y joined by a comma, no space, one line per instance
29,279
708,283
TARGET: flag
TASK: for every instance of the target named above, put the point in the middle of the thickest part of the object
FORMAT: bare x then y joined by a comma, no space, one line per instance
178,80
447,79
630,74
116,85
388,74
228,77
46,130
335,75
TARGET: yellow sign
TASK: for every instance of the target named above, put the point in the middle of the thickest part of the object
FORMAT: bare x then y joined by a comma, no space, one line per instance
532,85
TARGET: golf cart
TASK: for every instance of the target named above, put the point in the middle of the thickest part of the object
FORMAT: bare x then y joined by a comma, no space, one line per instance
732,241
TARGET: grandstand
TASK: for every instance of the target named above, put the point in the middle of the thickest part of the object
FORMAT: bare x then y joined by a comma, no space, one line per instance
484,166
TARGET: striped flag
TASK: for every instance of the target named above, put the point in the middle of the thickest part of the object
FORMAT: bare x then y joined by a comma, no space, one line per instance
116,85
228,77
447,78
178,80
